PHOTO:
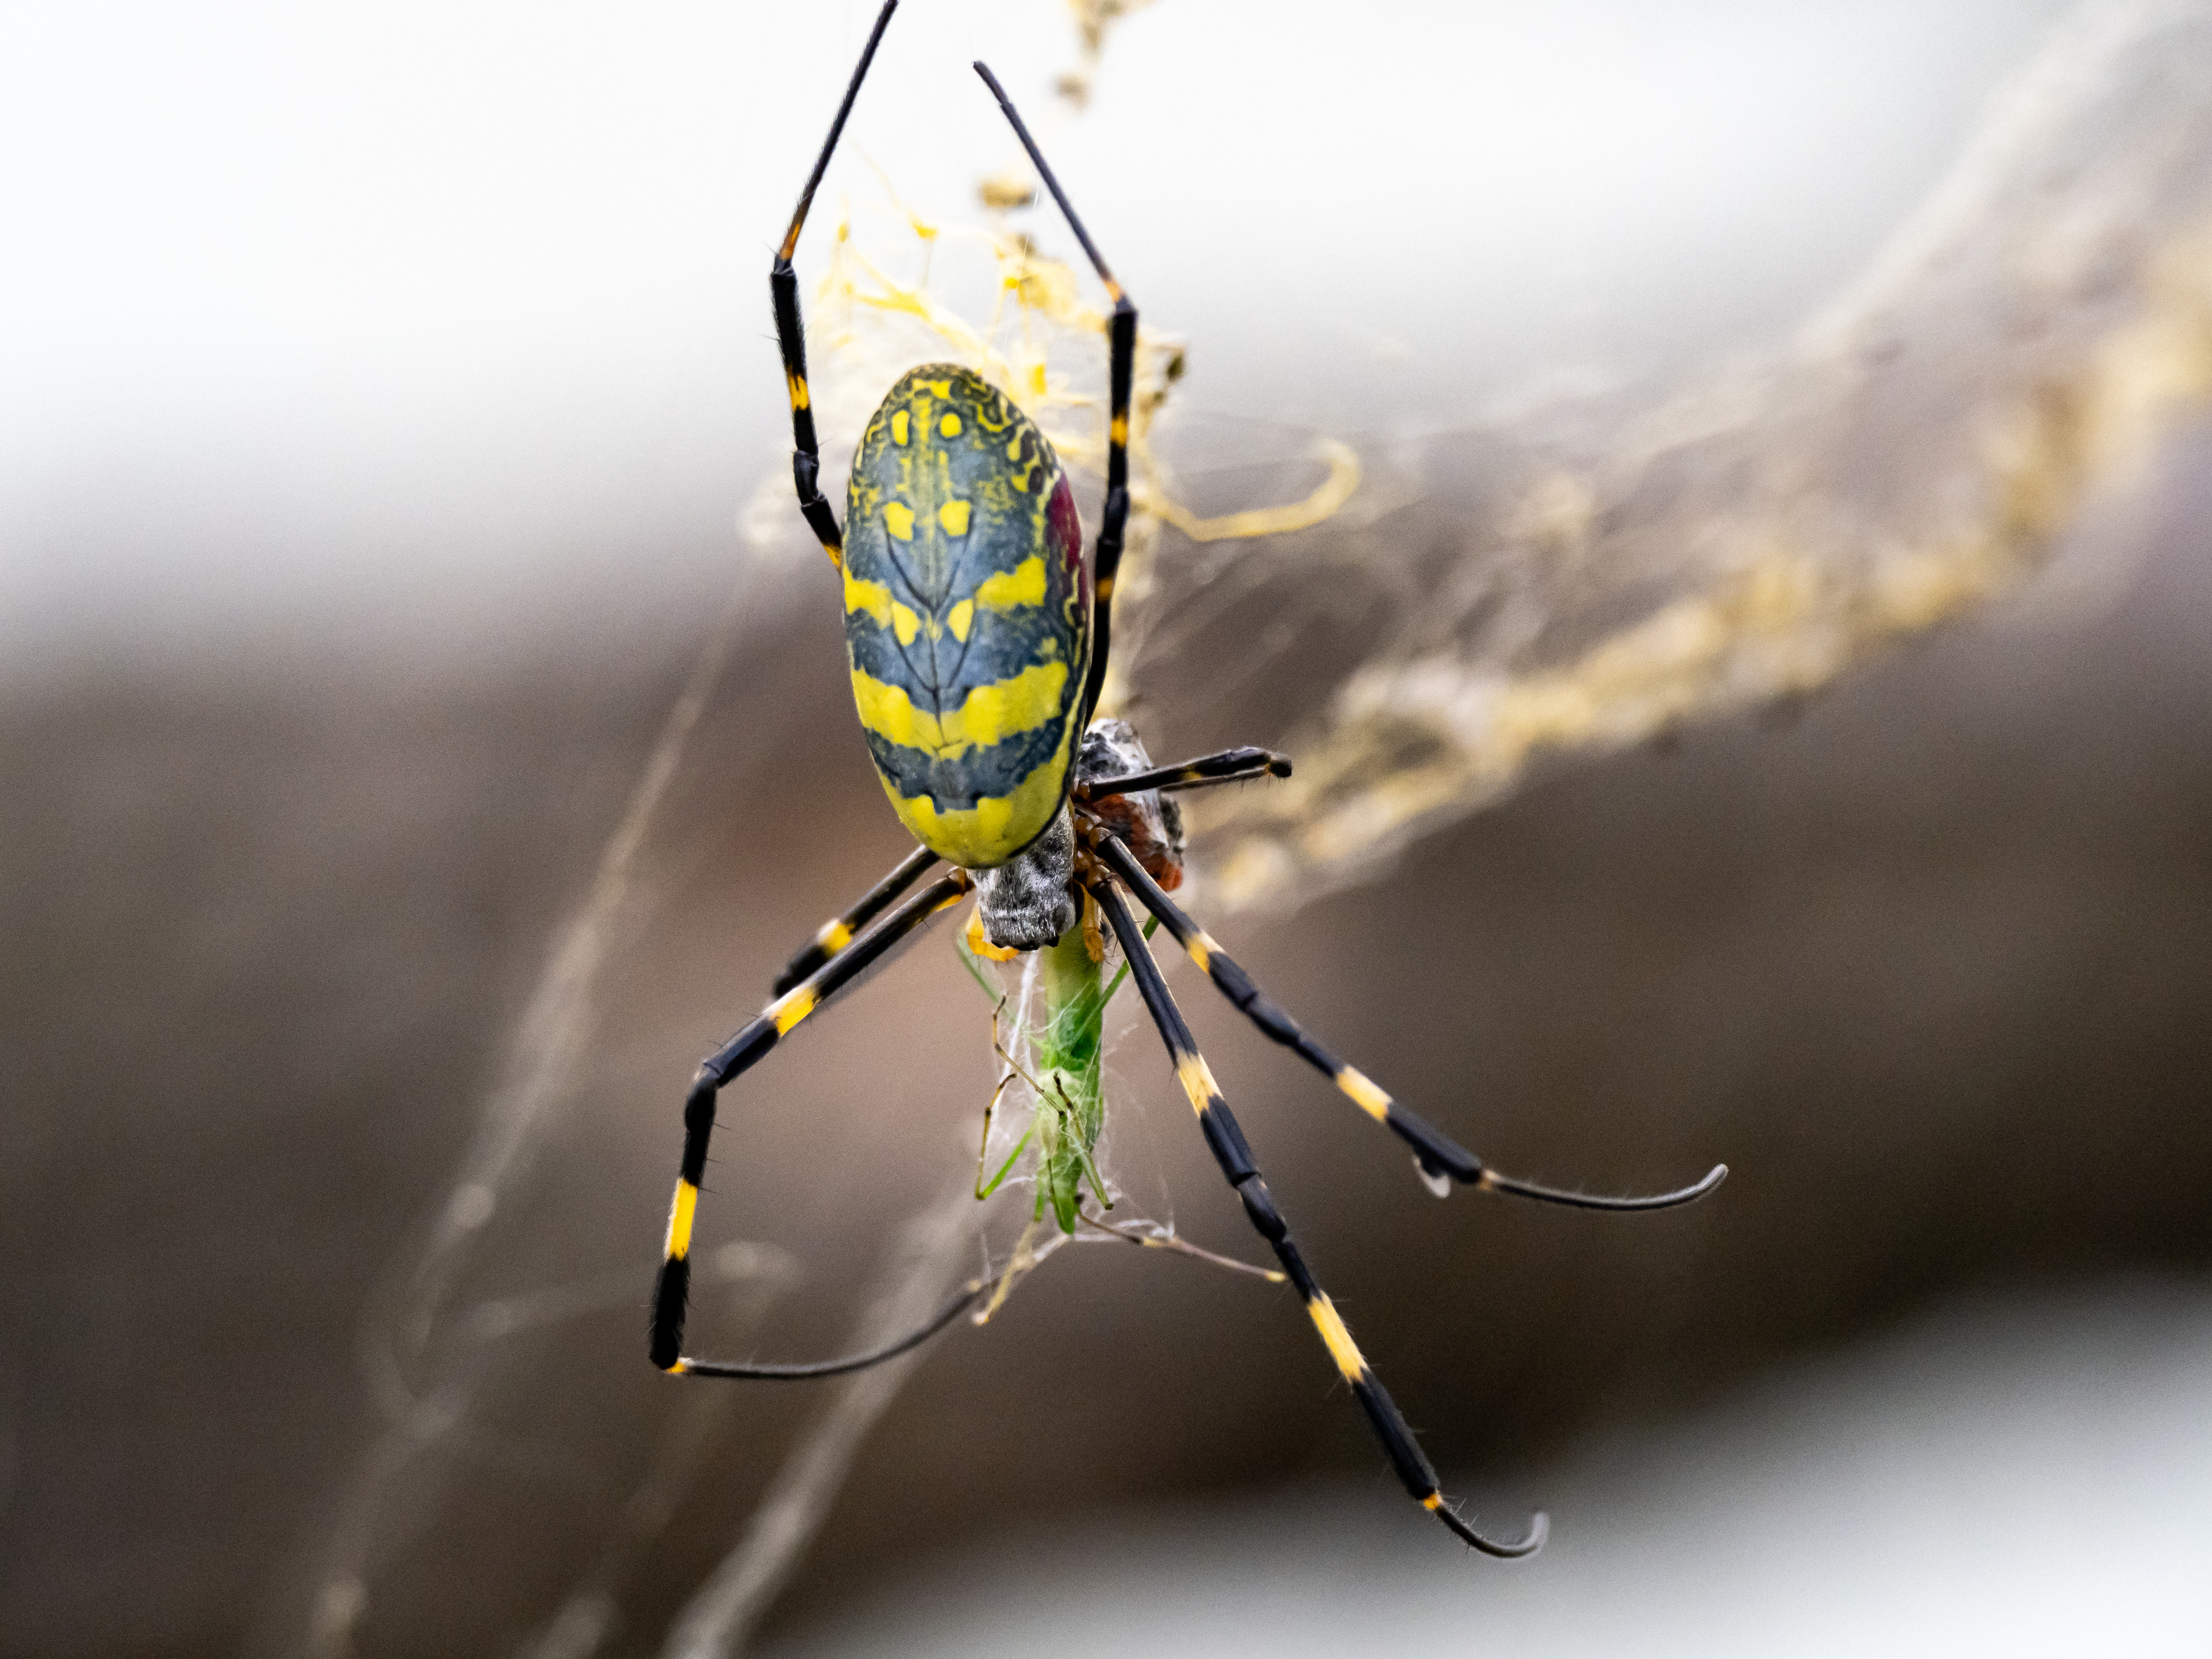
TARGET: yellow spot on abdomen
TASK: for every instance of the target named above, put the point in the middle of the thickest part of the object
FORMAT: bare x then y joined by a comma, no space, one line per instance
679,1220
898,518
950,426
953,515
989,714
1341,1348
960,618
874,598
1012,589
997,826
899,427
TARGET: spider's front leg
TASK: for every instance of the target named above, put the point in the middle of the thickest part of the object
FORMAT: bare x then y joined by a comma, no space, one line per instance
791,330
1440,1159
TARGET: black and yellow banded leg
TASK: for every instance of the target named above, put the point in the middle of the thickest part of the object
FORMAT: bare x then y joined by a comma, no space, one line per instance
1440,1159
671,1289
1235,1157
974,1290
791,333
1121,371
1230,766
839,931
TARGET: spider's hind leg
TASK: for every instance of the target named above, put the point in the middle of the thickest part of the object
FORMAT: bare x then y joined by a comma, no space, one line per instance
1227,1143
1440,1159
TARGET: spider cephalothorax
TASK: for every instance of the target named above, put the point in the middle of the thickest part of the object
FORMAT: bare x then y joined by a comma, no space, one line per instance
978,641
1034,898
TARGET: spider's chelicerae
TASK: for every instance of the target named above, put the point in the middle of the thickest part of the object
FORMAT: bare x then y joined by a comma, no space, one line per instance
978,639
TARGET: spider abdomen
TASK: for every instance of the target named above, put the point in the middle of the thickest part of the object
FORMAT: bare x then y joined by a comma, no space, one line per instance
967,614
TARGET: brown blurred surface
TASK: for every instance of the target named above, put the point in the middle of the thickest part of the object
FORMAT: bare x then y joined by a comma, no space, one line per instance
1929,964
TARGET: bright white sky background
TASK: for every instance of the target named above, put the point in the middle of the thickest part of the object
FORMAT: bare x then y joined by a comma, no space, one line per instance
370,319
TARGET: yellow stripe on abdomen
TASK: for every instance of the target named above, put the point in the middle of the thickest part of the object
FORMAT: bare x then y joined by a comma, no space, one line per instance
997,826
989,714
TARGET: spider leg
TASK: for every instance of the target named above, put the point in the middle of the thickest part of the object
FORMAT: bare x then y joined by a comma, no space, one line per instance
739,1054
967,1296
1230,766
834,935
1438,1156
1121,333
791,333
1227,1143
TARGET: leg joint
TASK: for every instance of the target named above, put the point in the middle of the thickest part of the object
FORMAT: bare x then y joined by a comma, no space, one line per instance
1255,1006
1407,1458
1436,1153
670,1294
1226,1141
1260,1206
699,1104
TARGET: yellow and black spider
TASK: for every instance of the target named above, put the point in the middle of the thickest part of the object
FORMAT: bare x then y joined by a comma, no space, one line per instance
977,638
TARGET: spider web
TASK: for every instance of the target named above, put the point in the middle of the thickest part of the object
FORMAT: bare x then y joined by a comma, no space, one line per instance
1593,574
1558,580
901,288
428,1364
1598,572
1587,574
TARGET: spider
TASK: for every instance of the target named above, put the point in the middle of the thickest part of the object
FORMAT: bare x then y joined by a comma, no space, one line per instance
977,638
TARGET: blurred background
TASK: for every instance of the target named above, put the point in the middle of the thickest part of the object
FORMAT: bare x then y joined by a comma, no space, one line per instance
383,389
